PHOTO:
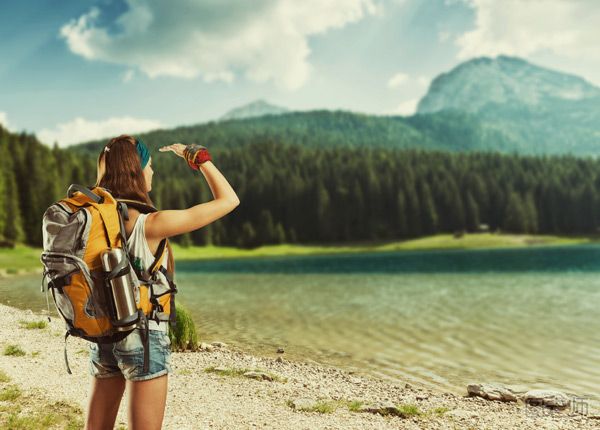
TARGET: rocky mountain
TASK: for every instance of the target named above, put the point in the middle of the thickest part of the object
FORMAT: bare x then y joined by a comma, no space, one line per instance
541,111
254,109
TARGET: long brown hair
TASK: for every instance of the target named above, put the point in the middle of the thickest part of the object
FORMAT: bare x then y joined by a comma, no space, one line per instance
123,175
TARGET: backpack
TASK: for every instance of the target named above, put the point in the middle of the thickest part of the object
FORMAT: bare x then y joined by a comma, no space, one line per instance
76,231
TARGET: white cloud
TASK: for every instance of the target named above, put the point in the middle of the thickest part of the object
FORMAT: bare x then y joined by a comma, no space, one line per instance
397,80
559,29
412,86
4,120
81,130
406,108
263,39
400,79
423,81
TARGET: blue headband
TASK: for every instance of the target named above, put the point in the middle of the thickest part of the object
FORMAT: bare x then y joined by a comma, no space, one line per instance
143,152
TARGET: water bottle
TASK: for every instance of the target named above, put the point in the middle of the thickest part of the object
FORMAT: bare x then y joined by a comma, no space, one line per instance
122,291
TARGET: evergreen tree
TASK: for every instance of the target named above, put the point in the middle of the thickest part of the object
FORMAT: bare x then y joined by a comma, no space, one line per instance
401,222
428,212
472,213
3,191
531,215
266,228
515,214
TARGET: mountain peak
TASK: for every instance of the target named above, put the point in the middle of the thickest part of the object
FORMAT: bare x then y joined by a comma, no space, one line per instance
472,85
256,108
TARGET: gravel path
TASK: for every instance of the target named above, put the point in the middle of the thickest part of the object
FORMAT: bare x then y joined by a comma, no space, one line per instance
198,399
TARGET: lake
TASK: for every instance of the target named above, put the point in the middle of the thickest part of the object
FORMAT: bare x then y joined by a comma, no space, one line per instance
528,317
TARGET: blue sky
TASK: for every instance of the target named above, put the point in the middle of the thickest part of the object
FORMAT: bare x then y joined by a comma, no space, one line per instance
77,70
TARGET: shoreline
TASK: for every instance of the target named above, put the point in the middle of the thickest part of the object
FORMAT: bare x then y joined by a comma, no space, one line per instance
26,258
300,395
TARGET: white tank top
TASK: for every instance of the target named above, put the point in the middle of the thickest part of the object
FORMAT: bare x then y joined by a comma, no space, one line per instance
142,258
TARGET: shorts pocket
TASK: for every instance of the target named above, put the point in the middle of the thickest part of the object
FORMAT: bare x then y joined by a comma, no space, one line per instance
130,345
164,340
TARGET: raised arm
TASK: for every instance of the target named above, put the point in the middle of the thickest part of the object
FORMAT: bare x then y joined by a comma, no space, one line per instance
167,223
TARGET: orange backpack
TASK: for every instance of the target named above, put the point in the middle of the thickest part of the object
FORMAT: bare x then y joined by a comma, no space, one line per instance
77,230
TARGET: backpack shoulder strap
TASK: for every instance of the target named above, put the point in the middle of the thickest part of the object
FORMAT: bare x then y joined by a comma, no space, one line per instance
145,208
73,188
158,257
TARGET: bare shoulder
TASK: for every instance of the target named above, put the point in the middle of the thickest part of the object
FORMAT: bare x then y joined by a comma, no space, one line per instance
130,223
151,224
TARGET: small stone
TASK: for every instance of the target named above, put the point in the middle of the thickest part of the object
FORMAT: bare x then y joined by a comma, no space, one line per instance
549,398
219,344
492,392
280,350
206,347
279,359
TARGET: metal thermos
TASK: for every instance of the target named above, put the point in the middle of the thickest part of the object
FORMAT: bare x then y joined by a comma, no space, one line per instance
122,289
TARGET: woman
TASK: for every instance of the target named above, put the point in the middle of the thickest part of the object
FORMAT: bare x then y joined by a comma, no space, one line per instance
125,168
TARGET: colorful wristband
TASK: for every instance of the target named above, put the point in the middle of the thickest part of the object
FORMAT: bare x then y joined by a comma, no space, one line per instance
195,155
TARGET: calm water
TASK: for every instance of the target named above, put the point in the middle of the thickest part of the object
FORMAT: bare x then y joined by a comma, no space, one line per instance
526,317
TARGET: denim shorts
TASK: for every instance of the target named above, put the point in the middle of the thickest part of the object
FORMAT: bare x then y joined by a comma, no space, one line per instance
126,357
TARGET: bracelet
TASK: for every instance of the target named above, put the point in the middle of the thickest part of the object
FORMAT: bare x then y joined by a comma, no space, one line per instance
196,155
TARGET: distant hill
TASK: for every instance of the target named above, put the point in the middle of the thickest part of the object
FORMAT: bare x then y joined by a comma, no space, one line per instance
254,109
501,104
474,84
448,130
541,111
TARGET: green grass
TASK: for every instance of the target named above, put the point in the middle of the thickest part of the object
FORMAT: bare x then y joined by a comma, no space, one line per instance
35,353
321,406
20,257
482,241
41,421
10,393
409,410
41,416
20,410
226,372
441,410
25,257
439,241
185,335
30,325
405,410
354,405
14,350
